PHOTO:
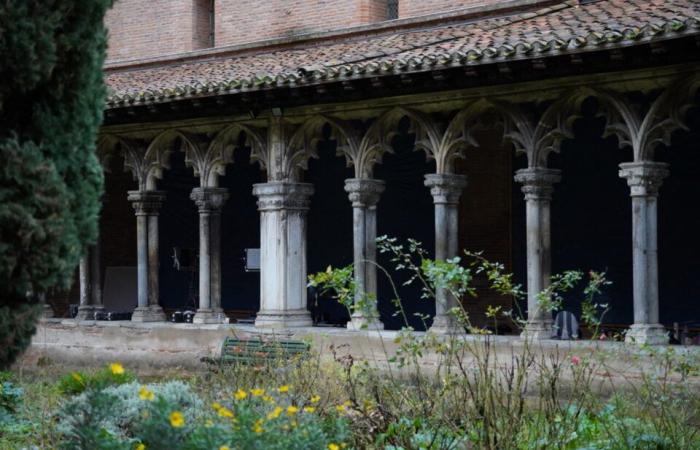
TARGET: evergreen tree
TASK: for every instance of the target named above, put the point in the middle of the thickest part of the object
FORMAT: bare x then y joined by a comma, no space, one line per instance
51,101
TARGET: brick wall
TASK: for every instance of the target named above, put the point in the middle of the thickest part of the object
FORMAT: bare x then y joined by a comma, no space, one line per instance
254,20
485,217
140,29
413,8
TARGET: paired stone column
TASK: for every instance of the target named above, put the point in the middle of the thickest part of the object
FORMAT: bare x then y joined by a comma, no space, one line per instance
446,190
283,208
644,179
538,187
147,204
85,311
90,284
209,200
364,195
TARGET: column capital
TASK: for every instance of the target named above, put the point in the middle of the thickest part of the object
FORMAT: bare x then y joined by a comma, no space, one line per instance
364,192
278,195
537,182
446,187
146,202
209,199
644,178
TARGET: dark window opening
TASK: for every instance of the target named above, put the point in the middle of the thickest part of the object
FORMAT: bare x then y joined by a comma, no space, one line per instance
211,23
392,9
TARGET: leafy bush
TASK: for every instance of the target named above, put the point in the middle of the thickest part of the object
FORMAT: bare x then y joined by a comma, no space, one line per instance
78,382
10,399
171,416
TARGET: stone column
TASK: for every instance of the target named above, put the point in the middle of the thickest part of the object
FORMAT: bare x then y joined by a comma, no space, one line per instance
364,195
48,310
644,179
209,200
283,207
85,311
538,187
147,204
446,190
96,277
90,289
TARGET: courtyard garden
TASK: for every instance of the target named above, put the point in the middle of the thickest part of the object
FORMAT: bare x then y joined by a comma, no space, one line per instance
333,403
427,392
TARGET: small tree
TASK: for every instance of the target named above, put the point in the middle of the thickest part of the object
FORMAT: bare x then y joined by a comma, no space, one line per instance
51,101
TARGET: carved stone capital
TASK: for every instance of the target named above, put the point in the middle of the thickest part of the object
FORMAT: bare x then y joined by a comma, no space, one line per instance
364,192
209,199
538,182
644,178
445,187
146,202
278,195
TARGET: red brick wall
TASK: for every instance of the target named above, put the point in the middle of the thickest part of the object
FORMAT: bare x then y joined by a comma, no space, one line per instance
140,29
412,8
485,217
254,20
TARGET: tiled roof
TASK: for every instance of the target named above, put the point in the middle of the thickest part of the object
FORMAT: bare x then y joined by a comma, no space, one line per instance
559,28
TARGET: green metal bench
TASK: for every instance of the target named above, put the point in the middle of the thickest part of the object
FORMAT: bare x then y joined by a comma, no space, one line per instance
257,351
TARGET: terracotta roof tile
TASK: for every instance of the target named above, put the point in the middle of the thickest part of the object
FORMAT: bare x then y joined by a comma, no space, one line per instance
561,27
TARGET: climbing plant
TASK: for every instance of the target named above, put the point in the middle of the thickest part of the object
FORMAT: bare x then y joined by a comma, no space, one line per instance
51,101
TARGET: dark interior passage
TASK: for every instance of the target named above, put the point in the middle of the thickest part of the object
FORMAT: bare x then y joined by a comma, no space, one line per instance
329,226
179,228
405,211
679,223
240,229
591,215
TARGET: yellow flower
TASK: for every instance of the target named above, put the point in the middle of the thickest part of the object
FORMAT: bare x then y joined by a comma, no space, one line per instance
315,399
116,368
141,446
309,409
333,446
240,394
275,413
225,412
177,420
268,399
283,389
224,447
291,410
77,377
257,392
343,407
257,428
145,394
216,406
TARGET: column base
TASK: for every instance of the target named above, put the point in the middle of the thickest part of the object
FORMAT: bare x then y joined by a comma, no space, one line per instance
86,312
365,323
538,330
283,319
48,312
446,325
649,334
214,315
148,314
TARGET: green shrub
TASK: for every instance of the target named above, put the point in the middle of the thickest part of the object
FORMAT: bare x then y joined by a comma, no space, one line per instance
10,399
170,416
51,102
78,382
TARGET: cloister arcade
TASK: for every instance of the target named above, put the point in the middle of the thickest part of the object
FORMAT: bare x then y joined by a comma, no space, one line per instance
534,119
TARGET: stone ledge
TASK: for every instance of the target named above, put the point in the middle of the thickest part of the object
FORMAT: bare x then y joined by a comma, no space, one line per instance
164,345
